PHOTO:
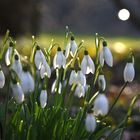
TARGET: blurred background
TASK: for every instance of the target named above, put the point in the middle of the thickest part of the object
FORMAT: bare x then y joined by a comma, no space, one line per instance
117,20
35,16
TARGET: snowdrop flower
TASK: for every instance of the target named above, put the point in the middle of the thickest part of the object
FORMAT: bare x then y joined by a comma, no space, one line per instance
101,82
81,78
54,87
45,70
73,46
2,79
79,91
73,77
9,54
17,66
129,72
39,58
59,59
17,92
43,98
106,55
101,105
90,122
87,65
27,81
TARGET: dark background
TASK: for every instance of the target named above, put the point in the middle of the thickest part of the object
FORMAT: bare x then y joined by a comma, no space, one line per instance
83,16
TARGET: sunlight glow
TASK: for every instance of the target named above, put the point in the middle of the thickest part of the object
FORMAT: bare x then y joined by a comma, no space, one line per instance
119,47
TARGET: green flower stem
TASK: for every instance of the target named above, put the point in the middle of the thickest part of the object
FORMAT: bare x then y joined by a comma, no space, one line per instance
3,45
93,98
129,113
111,108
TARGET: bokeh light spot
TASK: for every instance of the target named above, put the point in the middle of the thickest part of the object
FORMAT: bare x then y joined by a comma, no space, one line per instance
124,14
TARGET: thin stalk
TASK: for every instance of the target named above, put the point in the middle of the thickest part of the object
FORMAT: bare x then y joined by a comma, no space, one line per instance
129,113
111,108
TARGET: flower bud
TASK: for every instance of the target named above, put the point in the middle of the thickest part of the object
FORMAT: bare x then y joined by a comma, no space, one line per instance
101,105
90,122
43,98
129,72
2,79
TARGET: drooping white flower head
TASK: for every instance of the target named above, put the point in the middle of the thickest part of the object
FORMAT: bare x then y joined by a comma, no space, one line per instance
39,58
90,122
106,55
17,92
54,87
16,65
73,77
43,98
79,91
81,78
45,70
87,65
2,79
101,82
129,72
8,54
73,46
27,81
59,59
101,105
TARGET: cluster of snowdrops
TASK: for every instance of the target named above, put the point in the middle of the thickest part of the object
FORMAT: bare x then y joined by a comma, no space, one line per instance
31,77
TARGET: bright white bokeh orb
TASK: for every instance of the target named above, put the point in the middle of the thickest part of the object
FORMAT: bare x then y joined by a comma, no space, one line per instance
123,14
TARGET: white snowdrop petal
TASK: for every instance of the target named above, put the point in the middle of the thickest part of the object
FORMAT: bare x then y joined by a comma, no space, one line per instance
60,88
2,79
81,79
101,58
73,76
58,60
63,61
101,82
129,72
17,67
84,65
73,47
27,82
108,56
67,50
79,91
90,64
90,123
18,93
54,61
8,55
45,70
54,87
43,98
38,59
101,105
